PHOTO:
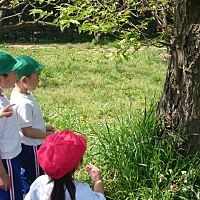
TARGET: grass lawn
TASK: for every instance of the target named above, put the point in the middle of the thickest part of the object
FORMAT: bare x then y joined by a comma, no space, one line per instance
112,102
78,80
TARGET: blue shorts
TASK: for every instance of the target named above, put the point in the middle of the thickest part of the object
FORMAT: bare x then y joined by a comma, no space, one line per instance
31,169
12,167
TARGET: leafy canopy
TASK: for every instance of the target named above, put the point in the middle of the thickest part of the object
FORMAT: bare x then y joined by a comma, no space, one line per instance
125,19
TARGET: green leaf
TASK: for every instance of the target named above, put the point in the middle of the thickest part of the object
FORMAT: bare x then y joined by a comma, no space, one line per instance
74,21
36,11
41,2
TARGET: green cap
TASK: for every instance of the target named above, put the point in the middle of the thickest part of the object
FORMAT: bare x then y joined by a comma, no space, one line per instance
26,65
7,63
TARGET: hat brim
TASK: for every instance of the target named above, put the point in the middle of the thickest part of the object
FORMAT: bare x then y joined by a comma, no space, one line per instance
39,67
20,64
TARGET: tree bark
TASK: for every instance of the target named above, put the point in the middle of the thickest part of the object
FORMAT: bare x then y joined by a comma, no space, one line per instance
179,105
1,16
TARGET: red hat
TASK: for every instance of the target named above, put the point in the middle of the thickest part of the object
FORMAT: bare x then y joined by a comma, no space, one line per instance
61,152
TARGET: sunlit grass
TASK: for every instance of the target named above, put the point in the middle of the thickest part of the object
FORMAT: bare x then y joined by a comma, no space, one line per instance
79,77
110,102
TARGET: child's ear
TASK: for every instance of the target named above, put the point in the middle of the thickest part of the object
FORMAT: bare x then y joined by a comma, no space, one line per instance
23,79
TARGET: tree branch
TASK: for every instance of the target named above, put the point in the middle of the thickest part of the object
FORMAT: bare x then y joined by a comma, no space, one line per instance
13,7
26,24
4,2
8,17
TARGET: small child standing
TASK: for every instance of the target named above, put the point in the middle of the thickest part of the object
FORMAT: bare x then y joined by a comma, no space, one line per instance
29,117
59,156
10,145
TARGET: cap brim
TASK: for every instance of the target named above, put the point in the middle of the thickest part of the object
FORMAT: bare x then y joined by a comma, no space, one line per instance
40,67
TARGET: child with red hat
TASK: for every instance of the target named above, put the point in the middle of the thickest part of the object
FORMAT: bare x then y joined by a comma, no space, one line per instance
59,156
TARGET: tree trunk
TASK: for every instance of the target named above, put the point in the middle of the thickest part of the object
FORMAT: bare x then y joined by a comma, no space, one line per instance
97,37
1,16
179,105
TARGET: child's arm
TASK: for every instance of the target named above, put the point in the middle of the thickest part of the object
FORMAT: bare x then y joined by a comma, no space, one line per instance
4,178
6,111
34,133
96,177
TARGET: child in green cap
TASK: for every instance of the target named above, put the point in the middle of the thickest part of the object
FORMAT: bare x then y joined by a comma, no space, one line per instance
7,79
10,146
32,127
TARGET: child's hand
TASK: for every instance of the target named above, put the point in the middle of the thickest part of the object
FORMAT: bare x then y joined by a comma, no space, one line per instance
94,172
4,181
50,128
6,111
96,177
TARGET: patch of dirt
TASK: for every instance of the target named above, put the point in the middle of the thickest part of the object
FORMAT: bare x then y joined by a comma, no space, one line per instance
96,49
31,46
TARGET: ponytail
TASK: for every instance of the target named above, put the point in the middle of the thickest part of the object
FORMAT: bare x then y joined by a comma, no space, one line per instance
58,191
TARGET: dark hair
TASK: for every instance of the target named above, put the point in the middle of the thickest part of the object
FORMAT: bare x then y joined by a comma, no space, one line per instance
58,191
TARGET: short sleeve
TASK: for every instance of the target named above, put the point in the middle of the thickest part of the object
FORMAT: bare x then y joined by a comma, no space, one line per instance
38,191
84,192
24,115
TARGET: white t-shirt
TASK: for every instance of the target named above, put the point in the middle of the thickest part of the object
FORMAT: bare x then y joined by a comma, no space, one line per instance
28,115
10,145
41,190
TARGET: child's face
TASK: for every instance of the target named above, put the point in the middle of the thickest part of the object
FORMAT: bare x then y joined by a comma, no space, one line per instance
33,80
8,81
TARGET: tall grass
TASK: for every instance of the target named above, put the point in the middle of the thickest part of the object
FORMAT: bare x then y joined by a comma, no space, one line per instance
139,164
